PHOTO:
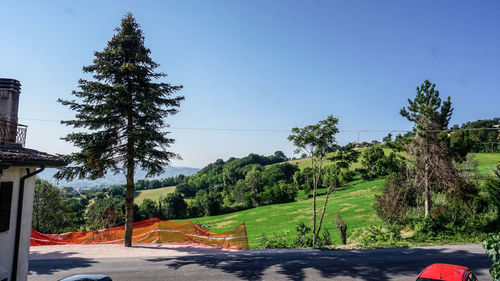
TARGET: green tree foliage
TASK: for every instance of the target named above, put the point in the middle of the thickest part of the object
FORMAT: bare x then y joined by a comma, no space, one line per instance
303,180
53,212
206,204
105,213
149,209
317,141
174,206
492,247
239,183
122,112
377,164
465,139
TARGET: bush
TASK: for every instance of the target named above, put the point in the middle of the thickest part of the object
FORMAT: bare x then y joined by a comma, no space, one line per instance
492,247
303,239
391,204
174,206
275,240
204,225
279,193
377,234
434,226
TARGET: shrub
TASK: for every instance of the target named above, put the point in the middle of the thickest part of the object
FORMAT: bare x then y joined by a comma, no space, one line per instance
275,240
378,234
391,204
492,247
303,239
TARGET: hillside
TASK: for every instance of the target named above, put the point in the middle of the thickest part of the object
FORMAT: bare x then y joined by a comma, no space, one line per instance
306,162
110,179
486,161
353,201
153,194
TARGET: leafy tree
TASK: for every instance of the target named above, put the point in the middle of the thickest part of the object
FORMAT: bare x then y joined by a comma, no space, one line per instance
148,209
317,141
429,152
122,113
52,213
370,156
105,213
388,138
278,157
174,206
303,179
207,203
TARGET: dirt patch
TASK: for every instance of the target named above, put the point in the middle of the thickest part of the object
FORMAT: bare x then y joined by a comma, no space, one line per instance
300,211
225,223
346,206
299,218
260,219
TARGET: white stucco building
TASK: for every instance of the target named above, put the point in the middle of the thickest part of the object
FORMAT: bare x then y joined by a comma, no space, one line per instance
18,169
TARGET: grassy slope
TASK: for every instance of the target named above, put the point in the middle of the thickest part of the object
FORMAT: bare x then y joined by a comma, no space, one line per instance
306,162
153,194
486,162
354,202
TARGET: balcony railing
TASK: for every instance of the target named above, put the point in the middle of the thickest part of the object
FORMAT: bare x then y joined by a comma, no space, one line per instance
12,132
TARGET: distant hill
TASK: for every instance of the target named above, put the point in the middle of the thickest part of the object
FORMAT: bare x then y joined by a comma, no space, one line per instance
111,179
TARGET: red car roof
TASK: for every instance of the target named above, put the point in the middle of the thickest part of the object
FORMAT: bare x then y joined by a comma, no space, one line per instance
443,271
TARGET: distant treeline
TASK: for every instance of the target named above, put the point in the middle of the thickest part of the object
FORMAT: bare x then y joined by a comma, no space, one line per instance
158,183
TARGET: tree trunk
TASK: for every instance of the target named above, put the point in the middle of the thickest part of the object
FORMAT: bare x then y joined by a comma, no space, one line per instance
323,211
314,219
129,199
129,207
315,187
427,204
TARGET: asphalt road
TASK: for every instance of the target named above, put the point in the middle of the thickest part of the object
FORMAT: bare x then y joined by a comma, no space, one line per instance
380,264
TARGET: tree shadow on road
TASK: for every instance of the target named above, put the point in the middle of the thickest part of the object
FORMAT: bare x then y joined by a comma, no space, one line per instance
49,263
381,264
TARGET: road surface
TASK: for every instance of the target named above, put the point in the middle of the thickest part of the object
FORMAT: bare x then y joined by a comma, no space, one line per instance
379,264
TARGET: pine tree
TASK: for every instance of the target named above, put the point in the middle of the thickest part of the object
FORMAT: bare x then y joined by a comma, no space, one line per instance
429,150
121,115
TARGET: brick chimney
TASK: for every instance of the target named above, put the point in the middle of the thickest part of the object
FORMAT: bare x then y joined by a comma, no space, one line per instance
9,102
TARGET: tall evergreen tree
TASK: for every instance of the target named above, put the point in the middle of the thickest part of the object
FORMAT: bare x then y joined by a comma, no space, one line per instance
429,152
121,112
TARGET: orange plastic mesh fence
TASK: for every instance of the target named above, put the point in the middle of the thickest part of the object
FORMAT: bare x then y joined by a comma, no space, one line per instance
150,231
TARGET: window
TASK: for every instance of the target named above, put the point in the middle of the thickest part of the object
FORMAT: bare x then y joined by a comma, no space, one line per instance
5,204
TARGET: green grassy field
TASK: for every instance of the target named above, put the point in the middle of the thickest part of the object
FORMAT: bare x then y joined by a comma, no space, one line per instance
354,202
153,194
486,162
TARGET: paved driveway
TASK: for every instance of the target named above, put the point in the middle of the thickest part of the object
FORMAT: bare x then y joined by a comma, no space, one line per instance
190,264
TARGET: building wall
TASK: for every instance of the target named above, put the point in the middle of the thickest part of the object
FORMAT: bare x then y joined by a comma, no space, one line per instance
7,239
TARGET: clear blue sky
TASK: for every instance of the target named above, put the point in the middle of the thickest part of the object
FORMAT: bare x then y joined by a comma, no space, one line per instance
262,64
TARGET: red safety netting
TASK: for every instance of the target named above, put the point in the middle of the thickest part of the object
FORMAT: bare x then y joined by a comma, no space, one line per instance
150,231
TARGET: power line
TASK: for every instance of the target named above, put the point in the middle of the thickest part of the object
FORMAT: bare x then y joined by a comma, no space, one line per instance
287,131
